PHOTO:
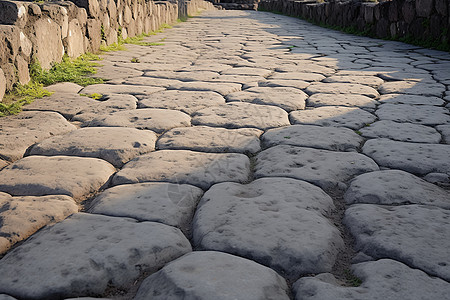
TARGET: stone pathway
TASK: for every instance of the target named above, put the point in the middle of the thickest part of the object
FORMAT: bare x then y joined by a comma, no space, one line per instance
252,156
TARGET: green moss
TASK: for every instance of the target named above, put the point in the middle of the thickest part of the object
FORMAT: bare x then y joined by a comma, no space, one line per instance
135,60
352,279
21,95
95,96
113,47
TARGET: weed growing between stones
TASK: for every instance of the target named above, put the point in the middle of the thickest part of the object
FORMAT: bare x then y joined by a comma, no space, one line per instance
21,95
352,279
94,96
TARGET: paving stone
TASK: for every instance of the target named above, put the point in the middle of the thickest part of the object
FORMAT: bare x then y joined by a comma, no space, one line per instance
67,104
115,72
393,187
146,81
410,99
116,145
306,67
418,114
217,276
157,120
108,89
412,87
328,138
351,100
298,84
41,175
239,79
183,166
445,131
277,222
186,101
404,132
326,169
211,139
297,76
372,81
111,104
382,279
416,158
413,234
23,216
247,71
34,127
6,297
167,203
64,87
237,115
341,88
287,98
334,116
218,87
75,257
183,75
3,164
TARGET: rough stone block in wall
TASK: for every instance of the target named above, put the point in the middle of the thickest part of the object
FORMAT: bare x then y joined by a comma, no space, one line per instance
2,84
13,13
9,49
424,8
48,47
92,7
75,38
23,75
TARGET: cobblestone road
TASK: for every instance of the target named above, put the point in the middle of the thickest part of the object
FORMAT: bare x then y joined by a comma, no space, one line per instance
251,156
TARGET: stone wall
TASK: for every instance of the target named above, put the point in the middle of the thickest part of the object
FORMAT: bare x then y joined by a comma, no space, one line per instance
46,31
237,4
426,20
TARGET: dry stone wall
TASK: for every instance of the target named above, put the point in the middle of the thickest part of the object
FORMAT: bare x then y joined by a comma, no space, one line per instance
416,19
46,31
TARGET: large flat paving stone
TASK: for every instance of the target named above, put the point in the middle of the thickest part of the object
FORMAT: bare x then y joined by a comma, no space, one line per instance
64,87
382,279
335,116
306,67
57,175
327,169
218,87
341,88
393,187
183,166
410,99
416,235
108,89
303,76
67,104
157,120
277,222
417,114
116,145
205,275
369,80
211,139
145,81
445,131
241,114
328,138
186,101
287,98
403,132
351,100
183,75
416,158
247,71
19,132
86,254
413,88
167,203
23,216
298,84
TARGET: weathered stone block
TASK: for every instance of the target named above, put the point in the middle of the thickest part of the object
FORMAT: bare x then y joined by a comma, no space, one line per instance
12,13
393,11
2,84
408,11
22,70
93,34
441,7
382,28
75,39
424,8
25,45
34,9
48,47
92,7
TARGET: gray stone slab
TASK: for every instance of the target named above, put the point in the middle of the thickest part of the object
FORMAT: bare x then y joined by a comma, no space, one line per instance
393,187
86,254
351,100
67,104
404,132
416,235
183,75
183,166
57,175
116,145
418,114
413,88
19,132
327,169
341,88
129,89
6,297
382,279
205,275
298,84
186,101
410,99
218,87
64,87
167,203
328,138
306,66
23,216
297,76
277,222
211,139
157,120
334,116
287,98
241,114
416,158
247,71
445,132
372,81
237,79
146,81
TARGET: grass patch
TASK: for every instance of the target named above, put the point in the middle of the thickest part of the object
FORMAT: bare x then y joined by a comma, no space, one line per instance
94,96
21,95
352,279
113,47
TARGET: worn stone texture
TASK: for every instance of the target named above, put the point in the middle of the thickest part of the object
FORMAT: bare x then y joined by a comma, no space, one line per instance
217,276
341,88
46,33
445,132
351,100
218,87
413,88
108,89
75,257
2,84
417,114
410,99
